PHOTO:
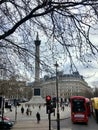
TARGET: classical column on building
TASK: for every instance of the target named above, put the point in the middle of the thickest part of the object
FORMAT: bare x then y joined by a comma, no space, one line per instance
37,88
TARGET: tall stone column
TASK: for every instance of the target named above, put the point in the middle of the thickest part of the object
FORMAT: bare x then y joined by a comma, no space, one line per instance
36,85
37,59
37,88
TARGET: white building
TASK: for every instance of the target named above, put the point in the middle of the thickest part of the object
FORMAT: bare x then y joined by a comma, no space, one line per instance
68,85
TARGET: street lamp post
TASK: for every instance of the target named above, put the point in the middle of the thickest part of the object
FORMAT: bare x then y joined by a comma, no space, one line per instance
58,115
16,101
3,102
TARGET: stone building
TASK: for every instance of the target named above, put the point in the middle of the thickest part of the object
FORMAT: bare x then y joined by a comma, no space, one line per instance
13,89
68,85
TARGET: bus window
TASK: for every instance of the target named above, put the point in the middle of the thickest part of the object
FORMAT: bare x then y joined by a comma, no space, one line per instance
78,105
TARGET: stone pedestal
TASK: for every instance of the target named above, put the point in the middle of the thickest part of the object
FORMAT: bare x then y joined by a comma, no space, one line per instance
36,100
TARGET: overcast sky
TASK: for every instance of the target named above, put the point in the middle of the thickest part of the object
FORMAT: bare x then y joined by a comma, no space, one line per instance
91,73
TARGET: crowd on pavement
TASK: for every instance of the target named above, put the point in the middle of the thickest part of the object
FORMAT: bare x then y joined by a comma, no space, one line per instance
36,115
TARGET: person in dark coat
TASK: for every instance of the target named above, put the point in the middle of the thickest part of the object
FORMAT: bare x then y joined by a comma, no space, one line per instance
27,111
22,110
38,117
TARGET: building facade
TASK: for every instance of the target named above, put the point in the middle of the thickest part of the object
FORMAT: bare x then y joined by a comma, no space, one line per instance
13,89
68,85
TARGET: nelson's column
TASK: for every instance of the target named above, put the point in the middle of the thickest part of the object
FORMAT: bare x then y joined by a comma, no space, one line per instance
37,98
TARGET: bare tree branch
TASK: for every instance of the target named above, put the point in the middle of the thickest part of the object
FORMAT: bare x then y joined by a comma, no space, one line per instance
65,23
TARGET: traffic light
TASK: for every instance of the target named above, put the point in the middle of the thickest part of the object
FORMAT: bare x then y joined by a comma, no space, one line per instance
48,104
50,108
54,102
48,99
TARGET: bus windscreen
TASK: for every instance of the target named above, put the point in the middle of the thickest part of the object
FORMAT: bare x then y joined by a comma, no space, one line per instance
78,105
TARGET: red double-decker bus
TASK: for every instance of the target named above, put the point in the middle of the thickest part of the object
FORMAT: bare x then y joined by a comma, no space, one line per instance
79,109
88,105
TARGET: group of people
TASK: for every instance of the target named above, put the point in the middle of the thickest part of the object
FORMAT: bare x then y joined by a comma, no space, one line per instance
29,112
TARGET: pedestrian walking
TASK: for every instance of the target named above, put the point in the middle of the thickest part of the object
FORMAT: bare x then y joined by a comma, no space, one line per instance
27,111
39,107
63,108
22,110
30,111
38,117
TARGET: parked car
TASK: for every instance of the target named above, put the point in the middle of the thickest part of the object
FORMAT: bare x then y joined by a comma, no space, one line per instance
4,118
6,124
